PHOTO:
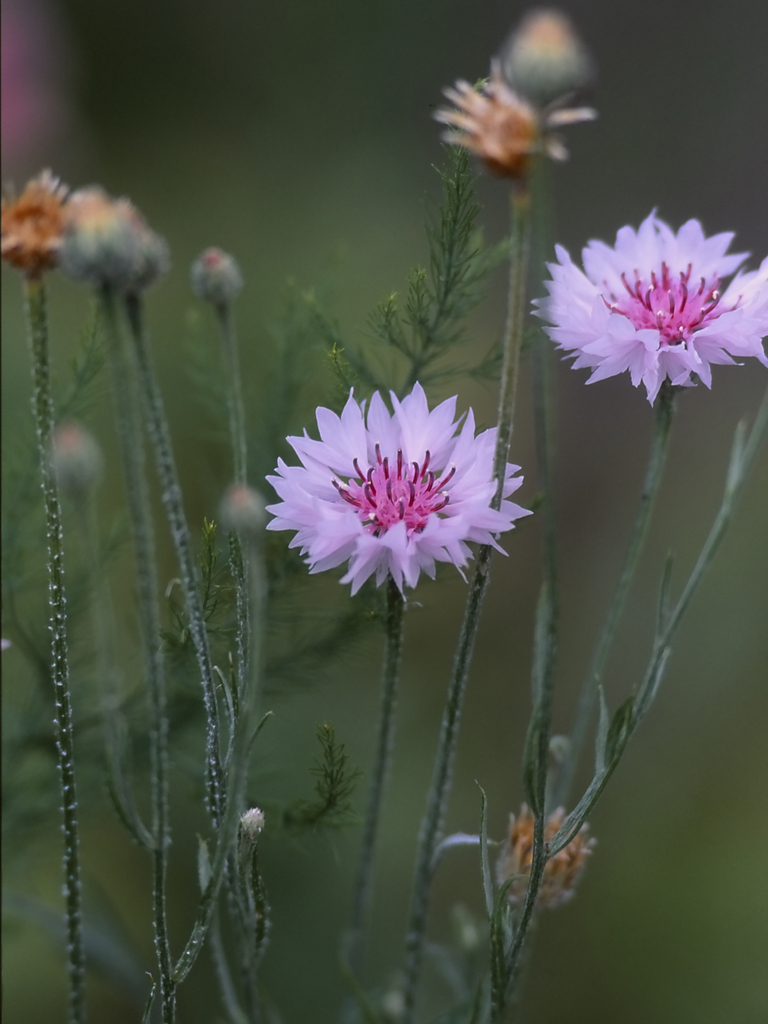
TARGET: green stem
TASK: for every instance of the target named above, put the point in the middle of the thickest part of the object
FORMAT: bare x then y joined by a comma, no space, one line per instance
381,766
37,324
234,394
130,437
103,639
443,768
543,426
171,495
539,733
238,441
741,462
662,425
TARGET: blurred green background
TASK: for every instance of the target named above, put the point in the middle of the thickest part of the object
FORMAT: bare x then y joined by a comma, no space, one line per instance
299,137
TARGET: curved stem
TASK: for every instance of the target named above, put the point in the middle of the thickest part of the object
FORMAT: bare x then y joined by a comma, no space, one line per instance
443,768
384,737
171,494
37,324
130,437
662,425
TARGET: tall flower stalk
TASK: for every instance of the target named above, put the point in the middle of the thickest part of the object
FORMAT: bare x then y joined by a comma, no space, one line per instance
439,791
663,415
131,439
234,394
42,403
172,499
381,767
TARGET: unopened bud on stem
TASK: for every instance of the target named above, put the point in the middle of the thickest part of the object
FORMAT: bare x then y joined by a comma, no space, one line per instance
251,827
544,59
242,510
76,458
216,277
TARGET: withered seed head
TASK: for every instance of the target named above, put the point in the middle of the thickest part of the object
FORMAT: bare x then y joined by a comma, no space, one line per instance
502,127
33,225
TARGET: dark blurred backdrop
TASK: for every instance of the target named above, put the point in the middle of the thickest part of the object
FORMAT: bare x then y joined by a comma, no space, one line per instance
300,134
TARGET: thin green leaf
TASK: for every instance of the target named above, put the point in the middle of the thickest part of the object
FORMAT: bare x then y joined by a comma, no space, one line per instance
619,732
602,731
370,1016
662,611
203,864
147,1014
499,945
485,865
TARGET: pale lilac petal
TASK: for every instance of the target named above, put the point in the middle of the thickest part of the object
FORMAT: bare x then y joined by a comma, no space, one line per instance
654,306
391,495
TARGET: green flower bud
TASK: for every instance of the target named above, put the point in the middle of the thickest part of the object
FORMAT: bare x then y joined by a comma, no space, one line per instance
76,458
242,510
544,59
107,242
216,277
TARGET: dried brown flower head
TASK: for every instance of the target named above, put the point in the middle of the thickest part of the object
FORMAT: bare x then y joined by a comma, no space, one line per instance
33,224
503,128
561,873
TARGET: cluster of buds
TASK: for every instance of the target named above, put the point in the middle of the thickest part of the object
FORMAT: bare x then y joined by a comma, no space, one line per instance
90,235
108,243
505,120
562,872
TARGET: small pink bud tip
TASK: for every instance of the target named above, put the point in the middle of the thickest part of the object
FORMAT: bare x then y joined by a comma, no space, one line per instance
216,277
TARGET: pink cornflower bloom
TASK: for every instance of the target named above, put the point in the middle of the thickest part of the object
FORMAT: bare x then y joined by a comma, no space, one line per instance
392,494
655,305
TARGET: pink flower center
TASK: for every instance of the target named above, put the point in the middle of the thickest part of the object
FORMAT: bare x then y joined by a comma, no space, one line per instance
386,495
668,304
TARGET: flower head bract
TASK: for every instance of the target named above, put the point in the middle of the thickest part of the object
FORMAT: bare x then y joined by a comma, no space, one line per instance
503,128
655,305
392,494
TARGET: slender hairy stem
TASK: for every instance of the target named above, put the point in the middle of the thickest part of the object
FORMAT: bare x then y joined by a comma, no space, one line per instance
238,441
519,258
235,1013
662,425
741,462
252,582
384,737
443,768
548,617
107,671
543,426
234,394
171,494
540,731
633,711
131,440
42,404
